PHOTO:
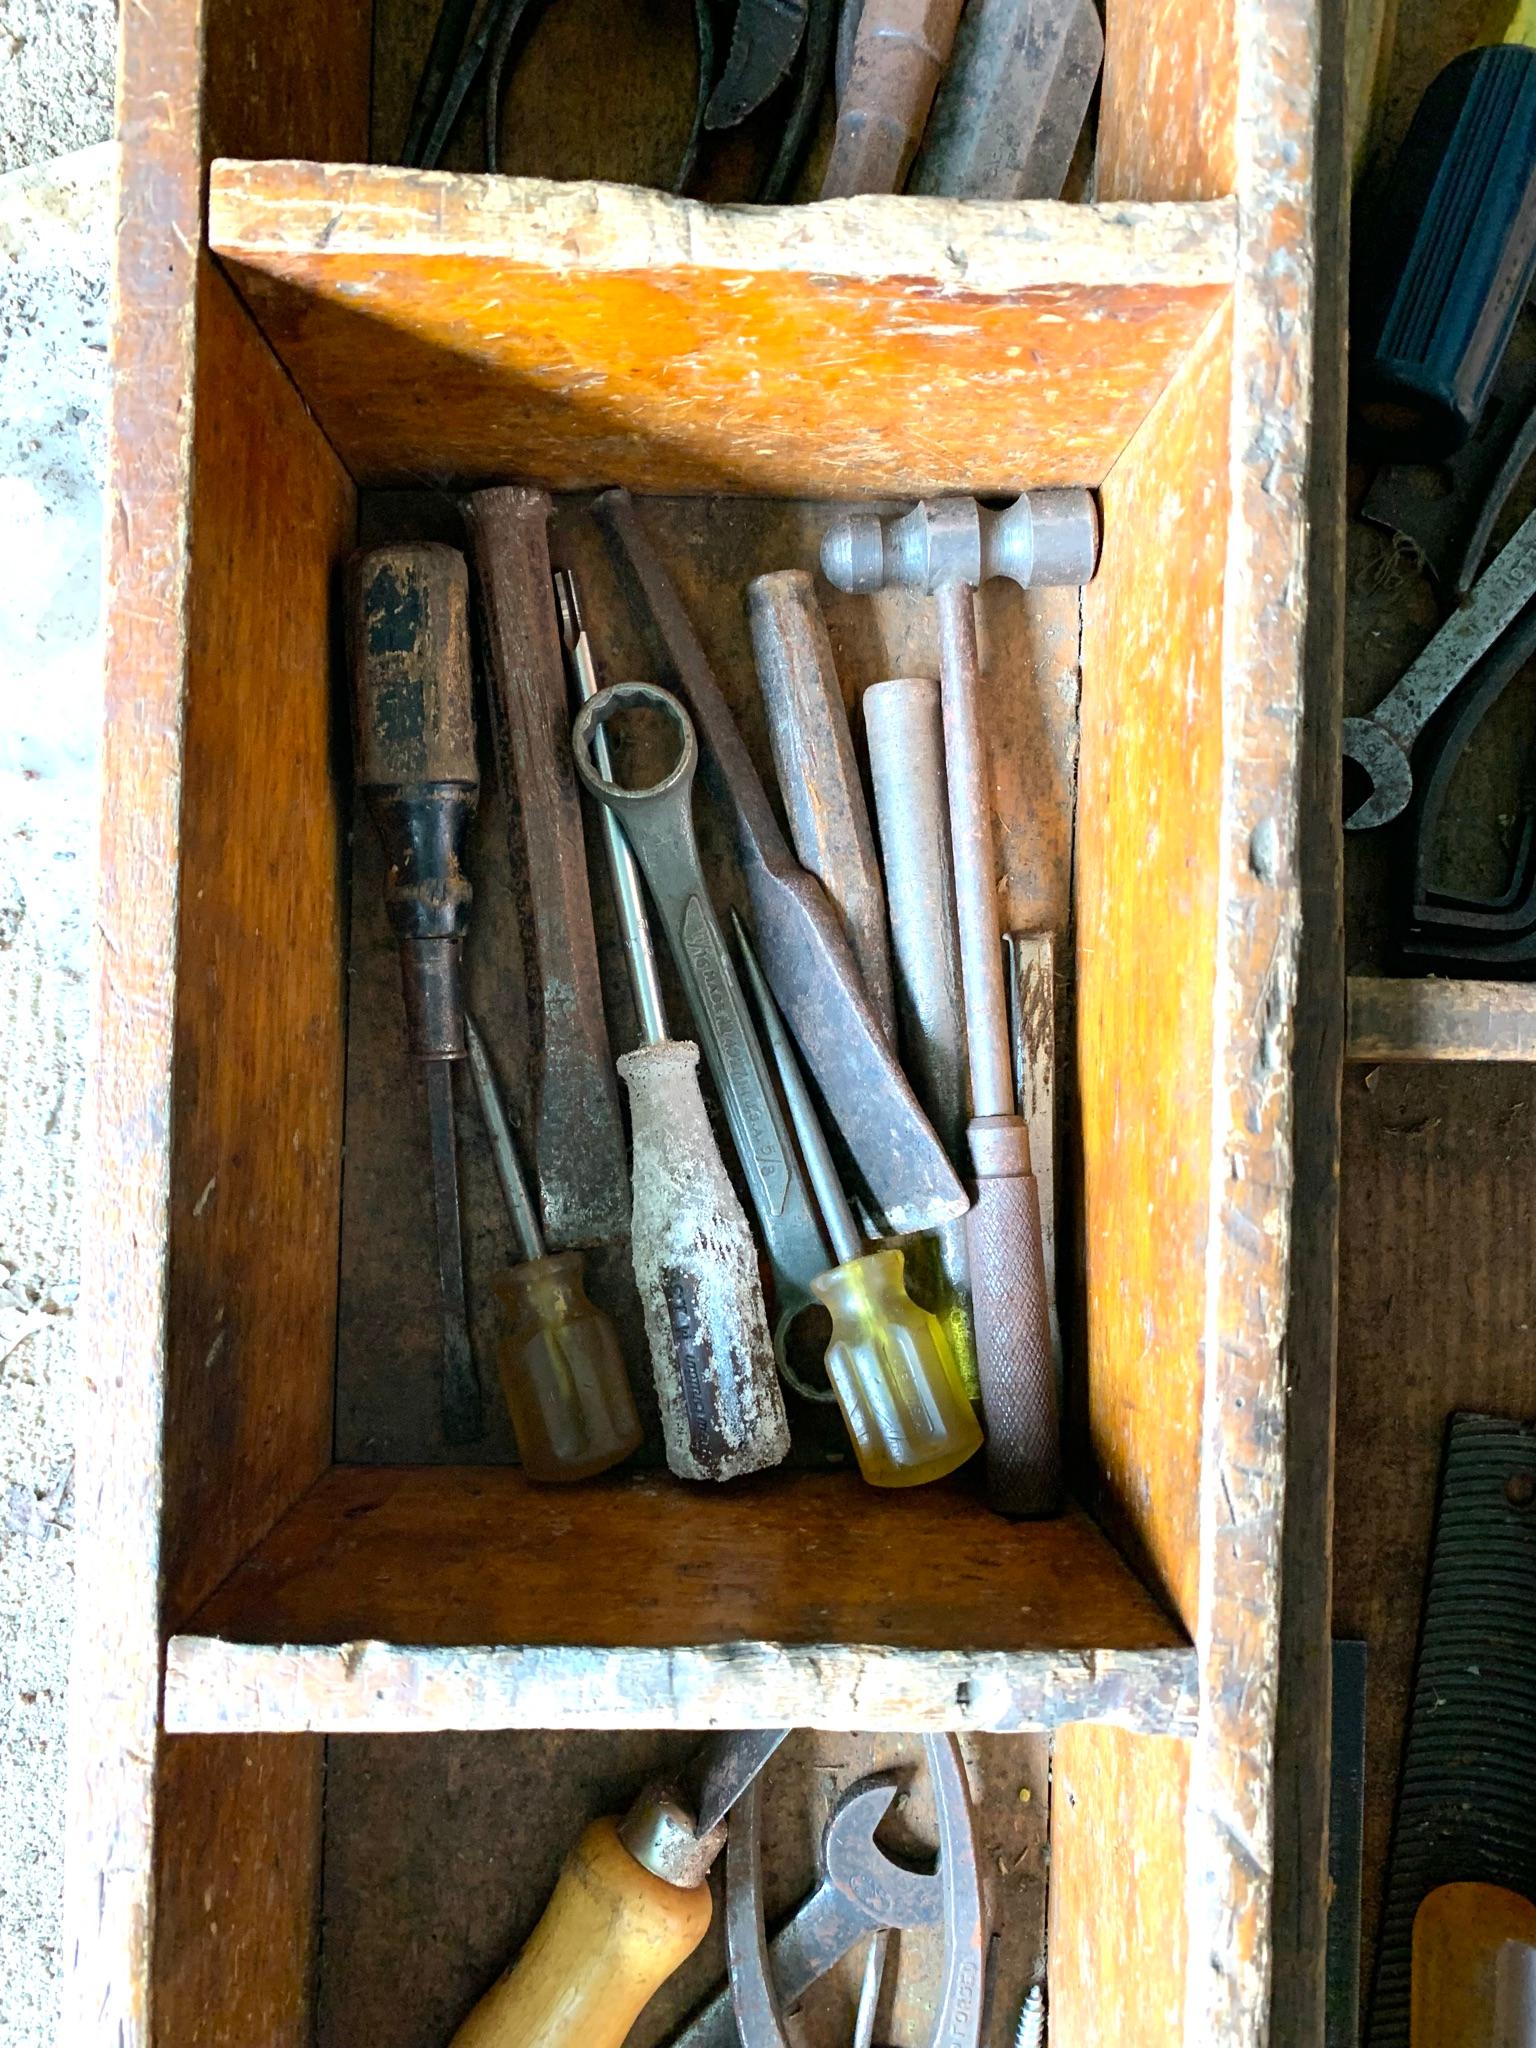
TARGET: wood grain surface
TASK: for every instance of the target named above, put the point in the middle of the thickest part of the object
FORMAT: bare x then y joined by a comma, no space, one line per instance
819,1602
1148,827
446,327
1118,1927
1168,113
256,1181
237,1891
237,75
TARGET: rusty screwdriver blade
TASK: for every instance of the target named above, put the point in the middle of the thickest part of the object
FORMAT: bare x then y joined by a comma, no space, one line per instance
461,1384
416,767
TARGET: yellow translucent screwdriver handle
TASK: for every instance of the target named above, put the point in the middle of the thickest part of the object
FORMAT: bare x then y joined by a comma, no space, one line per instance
894,1375
891,1366
562,1372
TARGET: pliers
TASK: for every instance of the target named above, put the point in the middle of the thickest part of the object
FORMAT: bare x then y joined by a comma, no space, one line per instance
473,41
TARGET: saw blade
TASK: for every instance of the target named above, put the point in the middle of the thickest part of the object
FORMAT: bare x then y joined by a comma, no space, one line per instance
764,44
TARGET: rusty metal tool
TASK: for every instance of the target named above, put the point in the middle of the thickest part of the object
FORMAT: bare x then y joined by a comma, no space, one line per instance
904,727
861,1890
949,548
658,823
1013,100
870,1988
416,767
694,1257
562,1371
578,1139
899,51
818,775
758,2002
805,954
889,1361
631,1904
1380,744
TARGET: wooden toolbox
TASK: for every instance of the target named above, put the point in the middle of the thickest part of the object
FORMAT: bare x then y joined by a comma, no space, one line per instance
274,1549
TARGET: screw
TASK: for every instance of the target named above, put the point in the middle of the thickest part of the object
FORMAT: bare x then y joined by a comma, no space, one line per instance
1520,1489
1031,2032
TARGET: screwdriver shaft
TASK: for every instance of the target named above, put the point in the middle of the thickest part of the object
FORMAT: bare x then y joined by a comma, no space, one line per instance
628,891
509,1171
460,1385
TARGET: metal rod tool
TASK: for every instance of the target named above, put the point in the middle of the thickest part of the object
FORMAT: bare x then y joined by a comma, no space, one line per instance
1013,100
899,51
694,1257
578,1139
562,1371
658,822
889,1361
904,727
818,775
948,548
806,956
416,767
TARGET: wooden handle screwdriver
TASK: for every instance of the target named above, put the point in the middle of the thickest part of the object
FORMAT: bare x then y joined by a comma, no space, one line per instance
415,738
632,1903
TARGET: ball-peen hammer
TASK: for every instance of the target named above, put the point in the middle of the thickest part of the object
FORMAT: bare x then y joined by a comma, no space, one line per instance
949,547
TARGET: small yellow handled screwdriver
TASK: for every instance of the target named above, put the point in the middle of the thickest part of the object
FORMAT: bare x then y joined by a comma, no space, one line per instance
562,1371
890,1362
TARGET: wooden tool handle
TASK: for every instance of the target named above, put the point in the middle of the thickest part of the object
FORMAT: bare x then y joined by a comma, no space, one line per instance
414,718
610,1937
1014,1359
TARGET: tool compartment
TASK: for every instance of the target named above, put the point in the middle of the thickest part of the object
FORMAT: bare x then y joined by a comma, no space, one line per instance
276,1549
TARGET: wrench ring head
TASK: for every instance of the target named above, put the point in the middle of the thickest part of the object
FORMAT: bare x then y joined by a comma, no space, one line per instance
607,704
1378,755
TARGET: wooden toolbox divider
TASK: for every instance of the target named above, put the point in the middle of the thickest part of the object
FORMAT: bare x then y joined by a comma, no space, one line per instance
295,328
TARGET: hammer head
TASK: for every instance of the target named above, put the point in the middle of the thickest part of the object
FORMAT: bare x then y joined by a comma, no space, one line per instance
1043,537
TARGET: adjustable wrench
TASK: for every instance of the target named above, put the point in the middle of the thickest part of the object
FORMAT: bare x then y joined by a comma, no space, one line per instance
658,822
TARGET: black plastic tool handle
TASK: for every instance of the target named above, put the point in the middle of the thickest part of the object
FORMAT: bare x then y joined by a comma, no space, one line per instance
1456,237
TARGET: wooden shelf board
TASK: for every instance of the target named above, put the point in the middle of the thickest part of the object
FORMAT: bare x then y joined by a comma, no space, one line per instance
1430,1019
453,328
431,1597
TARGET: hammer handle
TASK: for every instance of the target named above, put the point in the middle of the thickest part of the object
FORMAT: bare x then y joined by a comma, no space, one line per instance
609,1938
1013,1326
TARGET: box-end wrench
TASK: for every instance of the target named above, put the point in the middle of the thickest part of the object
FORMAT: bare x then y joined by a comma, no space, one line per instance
862,1890
658,822
1380,744
758,2000
800,938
